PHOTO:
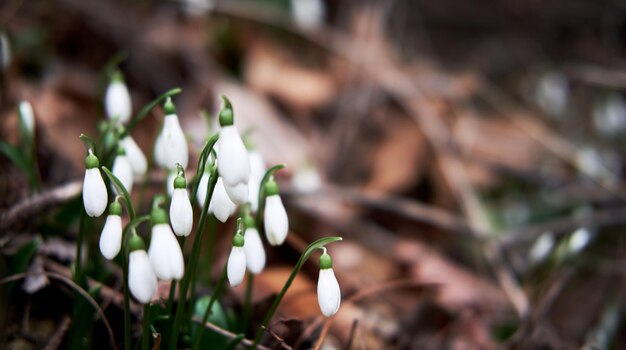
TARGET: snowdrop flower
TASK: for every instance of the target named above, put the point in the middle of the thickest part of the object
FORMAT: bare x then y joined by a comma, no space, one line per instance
609,115
123,170
27,116
232,159
257,171
135,156
306,180
169,182
171,145
117,102
202,188
181,214
552,93
542,247
255,253
165,254
579,240
275,216
308,14
328,292
95,195
5,52
221,205
142,281
111,237
236,268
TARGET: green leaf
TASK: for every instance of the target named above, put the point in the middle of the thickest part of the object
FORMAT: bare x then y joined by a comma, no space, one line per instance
21,260
146,109
204,155
121,189
15,156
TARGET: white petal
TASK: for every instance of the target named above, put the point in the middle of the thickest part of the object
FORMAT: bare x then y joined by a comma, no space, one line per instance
202,187
255,253
169,182
308,14
181,214
328,293
142,282
135,156
578,240
541,248
165,254
220,204
117,102
95,195
27,115
306,180
232,160
124,172
276,221
236,268
238,194
171,146
111,237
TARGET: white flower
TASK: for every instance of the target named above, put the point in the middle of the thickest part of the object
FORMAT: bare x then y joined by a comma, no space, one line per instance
552,93
328,292
232,160
238,194
95,195
236,268
257,171
123,171
117,102
306,180
5,52
221,205
142,282
255,253
276,222
308,14
579,240
111,237
541,248
135,155
181,213
171,146
202,188
169,182
165,254
27,115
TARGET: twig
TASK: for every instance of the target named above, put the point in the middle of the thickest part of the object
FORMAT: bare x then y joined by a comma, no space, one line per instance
226,333
355,324
57,338
34,205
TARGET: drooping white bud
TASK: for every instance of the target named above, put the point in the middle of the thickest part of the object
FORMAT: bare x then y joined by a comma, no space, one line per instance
238,194
142,281
171,146
221,205
95,195
123,171
306,179
5,52
111,237
236,267
542,248
308,14
579,240
165,254
255,253
328,292
135,156
27,116
609,115
117,102
181,213
232,160
552,93
276,222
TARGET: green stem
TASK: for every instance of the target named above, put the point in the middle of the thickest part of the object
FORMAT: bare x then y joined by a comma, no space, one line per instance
127,339
247,307
204,155
303,258
145,332
78,269
207,313
121,189
193,259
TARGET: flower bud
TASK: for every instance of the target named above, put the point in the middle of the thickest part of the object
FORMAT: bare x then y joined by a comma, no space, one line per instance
171,145
135,156
123,171
328,292
276,222
117,102
221,205
95,195
142,281
111,237
27,116
255,253
181,213
236,268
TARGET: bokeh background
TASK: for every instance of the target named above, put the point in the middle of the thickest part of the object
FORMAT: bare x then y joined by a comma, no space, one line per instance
470,153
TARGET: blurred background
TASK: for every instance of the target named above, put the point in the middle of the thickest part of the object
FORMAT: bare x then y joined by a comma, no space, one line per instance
471,154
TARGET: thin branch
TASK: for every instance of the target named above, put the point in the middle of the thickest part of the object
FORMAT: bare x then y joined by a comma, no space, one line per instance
227,334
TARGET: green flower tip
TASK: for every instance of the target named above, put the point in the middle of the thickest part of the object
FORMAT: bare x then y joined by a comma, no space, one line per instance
158,216
91,161
135,243
271,188
326,262
117,77
248,222
238,240
168,107
226,113
121,151
180,182
115,208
